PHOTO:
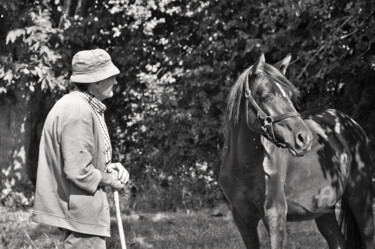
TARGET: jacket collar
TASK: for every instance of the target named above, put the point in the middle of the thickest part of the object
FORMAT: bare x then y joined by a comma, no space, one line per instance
95,103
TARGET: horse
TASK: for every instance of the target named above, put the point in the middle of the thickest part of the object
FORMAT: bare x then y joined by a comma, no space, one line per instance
280,165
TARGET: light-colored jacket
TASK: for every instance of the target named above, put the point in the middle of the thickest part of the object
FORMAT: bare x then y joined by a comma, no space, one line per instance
71,156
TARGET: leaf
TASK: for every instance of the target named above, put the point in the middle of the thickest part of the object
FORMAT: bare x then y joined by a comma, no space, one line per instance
14,34
39,73
8,76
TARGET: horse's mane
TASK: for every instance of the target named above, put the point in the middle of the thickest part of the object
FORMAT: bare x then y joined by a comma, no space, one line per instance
237,92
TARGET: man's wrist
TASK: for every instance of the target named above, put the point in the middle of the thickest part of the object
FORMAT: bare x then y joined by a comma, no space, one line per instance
106,180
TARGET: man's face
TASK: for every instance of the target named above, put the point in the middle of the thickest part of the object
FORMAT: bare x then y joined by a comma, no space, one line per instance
103,89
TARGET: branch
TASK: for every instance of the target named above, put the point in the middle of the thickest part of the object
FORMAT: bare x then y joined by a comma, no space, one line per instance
351,33
78,8
348,18
67,4
310,61
366,50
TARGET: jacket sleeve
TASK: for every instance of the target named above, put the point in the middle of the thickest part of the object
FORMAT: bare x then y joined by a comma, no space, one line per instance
77,144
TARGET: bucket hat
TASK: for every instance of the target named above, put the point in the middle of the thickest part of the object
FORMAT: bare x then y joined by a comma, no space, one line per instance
90,66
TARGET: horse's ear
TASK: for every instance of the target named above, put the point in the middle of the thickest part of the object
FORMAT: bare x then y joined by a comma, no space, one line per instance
258,66
283,64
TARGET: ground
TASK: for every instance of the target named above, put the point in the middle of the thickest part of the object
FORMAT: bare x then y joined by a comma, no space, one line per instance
180,230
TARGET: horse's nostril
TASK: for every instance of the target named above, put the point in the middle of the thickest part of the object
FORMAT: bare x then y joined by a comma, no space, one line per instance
300,140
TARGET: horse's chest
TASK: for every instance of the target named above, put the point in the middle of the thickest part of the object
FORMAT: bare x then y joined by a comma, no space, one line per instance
243,182
316,181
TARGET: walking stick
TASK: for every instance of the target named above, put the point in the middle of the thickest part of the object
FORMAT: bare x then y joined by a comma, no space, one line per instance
119,220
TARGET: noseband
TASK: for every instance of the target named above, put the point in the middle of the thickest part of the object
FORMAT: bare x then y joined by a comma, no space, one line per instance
265,121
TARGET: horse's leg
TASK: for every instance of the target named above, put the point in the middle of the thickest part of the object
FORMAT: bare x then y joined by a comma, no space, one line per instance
358,195
329,228
275,206
359,198
275,217
247,225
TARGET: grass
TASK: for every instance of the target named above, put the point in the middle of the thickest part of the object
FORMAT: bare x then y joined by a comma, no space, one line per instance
193,230
181,230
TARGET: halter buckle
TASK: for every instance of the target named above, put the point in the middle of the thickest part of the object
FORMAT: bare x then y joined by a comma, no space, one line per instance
247,93
268,121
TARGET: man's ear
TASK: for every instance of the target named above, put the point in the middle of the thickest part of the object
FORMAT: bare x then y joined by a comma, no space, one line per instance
258,66
283,64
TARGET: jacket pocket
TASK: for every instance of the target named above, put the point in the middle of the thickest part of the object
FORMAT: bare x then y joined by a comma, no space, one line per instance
86,207
73,205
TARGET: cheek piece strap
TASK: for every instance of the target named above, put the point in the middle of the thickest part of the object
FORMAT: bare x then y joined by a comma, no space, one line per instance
263,123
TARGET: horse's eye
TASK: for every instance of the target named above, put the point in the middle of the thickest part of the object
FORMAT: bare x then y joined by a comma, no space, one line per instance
266,97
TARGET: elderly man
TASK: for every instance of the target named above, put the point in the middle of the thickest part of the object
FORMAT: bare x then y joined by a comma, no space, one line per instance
75,156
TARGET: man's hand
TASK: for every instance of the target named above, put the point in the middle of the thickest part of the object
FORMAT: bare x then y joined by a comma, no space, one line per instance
123,174
111,179
116,184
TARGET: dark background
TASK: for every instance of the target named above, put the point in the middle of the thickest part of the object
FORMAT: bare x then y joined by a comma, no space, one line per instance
178,60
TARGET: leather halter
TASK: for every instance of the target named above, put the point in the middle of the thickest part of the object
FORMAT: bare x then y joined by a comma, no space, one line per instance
265,121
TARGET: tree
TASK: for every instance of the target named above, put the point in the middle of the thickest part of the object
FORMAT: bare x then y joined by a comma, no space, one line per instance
178,60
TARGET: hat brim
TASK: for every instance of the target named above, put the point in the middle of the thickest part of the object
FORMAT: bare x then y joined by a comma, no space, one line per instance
98,75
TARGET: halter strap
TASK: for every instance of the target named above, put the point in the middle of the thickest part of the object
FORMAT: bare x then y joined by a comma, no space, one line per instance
263,120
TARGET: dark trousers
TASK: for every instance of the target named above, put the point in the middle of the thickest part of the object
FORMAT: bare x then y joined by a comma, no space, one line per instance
74,240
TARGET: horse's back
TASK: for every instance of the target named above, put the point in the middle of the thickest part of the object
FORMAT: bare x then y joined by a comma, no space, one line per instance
343,134
334,122
317,180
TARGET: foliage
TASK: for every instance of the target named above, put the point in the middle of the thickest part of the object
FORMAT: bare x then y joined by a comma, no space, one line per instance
32,49
177,62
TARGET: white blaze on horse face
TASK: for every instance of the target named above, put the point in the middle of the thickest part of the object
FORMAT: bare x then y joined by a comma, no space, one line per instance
285,94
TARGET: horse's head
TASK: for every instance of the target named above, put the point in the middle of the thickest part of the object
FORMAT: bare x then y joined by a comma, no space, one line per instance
269,107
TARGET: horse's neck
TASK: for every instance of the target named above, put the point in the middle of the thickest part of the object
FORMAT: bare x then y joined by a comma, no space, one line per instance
245,146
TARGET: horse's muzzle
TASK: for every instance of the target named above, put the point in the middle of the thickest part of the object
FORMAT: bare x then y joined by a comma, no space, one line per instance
302,143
